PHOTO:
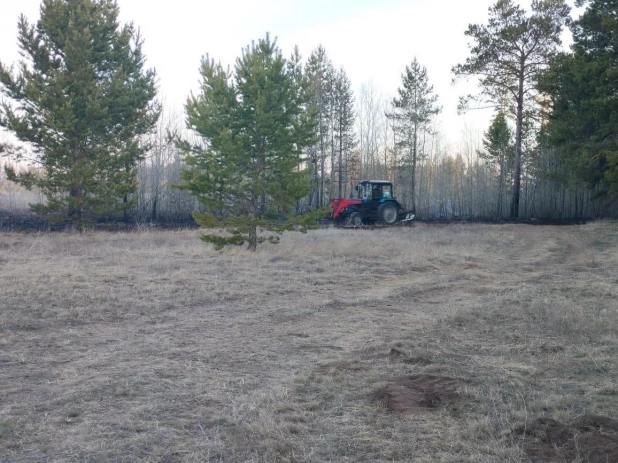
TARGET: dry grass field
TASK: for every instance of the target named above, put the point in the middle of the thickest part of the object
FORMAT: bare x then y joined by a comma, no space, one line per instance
412,344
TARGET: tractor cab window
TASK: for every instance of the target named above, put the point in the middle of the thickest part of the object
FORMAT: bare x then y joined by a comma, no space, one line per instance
364,190
374,191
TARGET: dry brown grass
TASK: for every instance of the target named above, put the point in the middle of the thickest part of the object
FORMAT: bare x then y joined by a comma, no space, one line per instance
152,346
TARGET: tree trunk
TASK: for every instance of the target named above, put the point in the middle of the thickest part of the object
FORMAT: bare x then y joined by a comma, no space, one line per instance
518,140
125,208
154,208
76,201
340,158
413,182
322,162
420,180
314,196
253,212
333,151
420,188
252,238
75,212
501,183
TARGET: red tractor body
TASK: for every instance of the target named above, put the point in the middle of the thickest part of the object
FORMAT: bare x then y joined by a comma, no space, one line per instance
341,205
375,203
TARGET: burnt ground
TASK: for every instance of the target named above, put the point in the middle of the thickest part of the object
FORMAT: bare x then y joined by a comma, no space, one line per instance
24,220
589,438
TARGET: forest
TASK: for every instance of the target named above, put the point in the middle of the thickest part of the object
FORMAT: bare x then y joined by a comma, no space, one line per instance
89,139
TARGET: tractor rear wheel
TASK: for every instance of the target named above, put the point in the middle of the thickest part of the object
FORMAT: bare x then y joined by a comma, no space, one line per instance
355,219
387,213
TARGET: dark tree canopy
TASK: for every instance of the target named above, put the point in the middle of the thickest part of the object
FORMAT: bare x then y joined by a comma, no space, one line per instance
255,127
581,88
80,100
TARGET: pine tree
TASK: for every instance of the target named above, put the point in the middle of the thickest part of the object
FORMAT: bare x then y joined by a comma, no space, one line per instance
498,150
320,72
509,54
344,119
255,127
581,91
413,111
296,72
80,100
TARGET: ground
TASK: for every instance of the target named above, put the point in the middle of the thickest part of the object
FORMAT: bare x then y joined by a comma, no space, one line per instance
458,343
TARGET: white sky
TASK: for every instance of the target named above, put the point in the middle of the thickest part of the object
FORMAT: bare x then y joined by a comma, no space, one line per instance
372,39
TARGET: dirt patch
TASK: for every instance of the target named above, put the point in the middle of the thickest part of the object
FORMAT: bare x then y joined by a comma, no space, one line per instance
550,348
419,393
590,438
470,266
397,355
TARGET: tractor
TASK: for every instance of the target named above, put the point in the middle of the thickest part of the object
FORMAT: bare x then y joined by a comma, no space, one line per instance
374,204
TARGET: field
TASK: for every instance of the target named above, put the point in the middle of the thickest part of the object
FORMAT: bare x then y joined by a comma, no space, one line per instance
458,343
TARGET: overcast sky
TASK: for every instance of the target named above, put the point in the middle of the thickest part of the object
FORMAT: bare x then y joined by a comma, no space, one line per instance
372,39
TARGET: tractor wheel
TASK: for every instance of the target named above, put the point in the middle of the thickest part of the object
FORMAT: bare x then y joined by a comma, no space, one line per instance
355,219
387,213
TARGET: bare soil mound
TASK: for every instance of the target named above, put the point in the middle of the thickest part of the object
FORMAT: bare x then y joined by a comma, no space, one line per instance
591,438
397,355
420,393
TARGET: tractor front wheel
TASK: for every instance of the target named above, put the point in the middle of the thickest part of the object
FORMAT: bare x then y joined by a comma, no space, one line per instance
355,219
387,213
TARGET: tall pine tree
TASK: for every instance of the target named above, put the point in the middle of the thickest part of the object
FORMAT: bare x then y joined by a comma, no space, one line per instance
581,90
344,134
80,100
255,127
320,72
508,55
413,111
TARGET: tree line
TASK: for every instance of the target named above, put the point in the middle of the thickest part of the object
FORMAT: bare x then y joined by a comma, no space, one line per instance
273,139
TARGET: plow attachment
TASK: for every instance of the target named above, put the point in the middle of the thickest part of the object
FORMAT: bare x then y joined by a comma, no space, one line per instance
405,216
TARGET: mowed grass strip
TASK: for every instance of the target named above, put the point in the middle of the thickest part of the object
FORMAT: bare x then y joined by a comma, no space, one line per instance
151,346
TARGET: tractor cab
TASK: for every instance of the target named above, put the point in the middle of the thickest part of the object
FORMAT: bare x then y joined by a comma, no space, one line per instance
374,190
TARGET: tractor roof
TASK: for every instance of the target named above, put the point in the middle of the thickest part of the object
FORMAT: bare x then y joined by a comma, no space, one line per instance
382,182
